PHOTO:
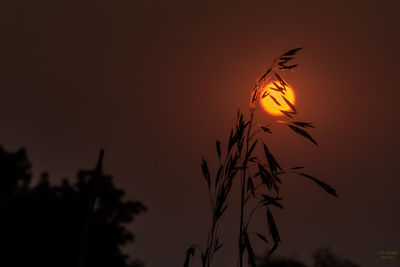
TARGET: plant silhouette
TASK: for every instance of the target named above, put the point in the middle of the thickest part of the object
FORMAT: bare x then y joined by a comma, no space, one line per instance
44,225
323,257
247,160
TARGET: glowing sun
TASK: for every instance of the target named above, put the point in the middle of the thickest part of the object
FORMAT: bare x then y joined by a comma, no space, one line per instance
272,98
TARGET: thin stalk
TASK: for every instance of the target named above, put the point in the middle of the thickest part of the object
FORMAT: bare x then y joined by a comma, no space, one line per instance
213,230
92,201
241,220
210,245
252,213
242,199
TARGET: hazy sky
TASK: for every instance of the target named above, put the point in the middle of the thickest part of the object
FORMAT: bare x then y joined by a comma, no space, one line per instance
156,82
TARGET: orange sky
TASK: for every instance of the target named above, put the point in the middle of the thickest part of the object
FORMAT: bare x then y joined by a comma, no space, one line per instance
155,84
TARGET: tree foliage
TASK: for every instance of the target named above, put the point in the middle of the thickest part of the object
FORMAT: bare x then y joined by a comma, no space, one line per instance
44,224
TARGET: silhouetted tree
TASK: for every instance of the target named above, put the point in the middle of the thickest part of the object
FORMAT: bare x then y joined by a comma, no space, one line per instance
323,257
44,225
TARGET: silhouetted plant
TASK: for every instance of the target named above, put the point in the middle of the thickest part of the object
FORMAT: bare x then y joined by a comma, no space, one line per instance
259,175
43,225
323,257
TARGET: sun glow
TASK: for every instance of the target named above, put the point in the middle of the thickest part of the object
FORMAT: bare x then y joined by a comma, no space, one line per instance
272,98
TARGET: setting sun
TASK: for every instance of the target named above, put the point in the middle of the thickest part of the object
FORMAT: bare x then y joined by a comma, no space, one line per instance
273,98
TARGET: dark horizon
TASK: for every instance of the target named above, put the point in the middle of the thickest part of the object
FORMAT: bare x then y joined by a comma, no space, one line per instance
156,83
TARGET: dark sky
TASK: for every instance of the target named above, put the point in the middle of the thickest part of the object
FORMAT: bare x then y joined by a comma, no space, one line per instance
156,82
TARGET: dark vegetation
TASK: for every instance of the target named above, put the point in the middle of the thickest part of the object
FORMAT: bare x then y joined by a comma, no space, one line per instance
246,159
75,223
323,257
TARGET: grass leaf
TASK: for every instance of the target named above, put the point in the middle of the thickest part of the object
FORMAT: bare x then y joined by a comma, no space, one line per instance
297,168
218,145
273,230
248,154
283,67
266,129
282,82
302,133
303,124
218,247
292,52
325,186
250,186
206,173
265,75
219,213
189,254
265,94
271,200
273,164
262,237
253,159
266,177
250,252
231,141
218,177
289,104
274,247
287,113
274,99
279,88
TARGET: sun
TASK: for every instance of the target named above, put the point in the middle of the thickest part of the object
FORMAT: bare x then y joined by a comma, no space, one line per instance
272,98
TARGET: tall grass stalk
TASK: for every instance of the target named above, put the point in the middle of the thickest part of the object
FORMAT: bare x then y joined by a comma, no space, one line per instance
259,175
